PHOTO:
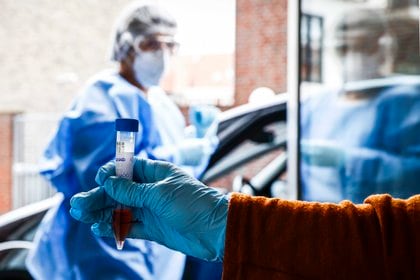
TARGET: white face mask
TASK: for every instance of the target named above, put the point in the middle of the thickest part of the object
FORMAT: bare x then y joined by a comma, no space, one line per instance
149,67
359,66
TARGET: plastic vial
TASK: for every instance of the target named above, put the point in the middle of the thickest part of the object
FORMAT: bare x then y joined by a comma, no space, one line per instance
126,130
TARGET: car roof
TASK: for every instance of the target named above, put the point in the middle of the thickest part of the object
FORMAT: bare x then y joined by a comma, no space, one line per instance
30,210
251,107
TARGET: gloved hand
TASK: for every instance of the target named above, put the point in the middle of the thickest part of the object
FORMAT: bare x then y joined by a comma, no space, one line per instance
204,117
169,207
322,153
193,151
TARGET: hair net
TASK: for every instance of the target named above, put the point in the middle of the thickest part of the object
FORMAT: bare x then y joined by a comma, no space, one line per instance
141,18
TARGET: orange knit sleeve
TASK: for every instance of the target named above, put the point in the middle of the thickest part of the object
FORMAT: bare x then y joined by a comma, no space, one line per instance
280,239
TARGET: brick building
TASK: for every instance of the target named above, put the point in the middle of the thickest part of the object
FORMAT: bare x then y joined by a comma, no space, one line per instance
6,157
261,52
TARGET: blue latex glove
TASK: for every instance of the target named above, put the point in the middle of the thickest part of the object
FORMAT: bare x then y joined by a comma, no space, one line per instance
169,207
204,118
322,153
193,151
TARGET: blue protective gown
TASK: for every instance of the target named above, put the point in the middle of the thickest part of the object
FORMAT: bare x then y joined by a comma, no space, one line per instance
85,140
379,138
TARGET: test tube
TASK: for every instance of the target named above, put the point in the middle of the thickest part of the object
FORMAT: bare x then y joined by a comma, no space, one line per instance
126,138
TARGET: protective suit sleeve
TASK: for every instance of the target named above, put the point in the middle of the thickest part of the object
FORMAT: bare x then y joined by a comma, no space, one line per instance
191,151
84,140
376,153
192,154
203,118
76,152
393,165
365,171
56,162
181,145
368,171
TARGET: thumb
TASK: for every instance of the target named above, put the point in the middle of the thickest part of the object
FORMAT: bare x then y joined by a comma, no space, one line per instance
104,172
128,192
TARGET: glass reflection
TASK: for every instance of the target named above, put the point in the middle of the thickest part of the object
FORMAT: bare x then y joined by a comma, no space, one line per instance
360,120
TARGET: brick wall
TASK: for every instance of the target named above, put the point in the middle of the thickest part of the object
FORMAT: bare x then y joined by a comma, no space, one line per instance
6,154
261,38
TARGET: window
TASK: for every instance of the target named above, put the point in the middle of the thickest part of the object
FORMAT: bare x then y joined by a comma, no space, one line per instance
311,48
359,126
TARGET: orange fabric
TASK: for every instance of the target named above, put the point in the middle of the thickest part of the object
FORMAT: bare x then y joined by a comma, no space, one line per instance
279,239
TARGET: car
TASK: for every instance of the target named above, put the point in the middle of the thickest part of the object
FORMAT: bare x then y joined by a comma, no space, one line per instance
250,158
253,140
17,230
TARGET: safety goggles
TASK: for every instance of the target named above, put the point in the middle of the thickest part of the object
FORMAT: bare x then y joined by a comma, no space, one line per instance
155,43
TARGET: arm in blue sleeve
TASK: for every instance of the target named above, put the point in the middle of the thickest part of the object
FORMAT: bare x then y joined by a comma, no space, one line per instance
74,155
93,145
192,154
370,171
56,162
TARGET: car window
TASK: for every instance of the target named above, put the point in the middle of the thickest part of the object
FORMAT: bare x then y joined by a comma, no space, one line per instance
249,158
246,169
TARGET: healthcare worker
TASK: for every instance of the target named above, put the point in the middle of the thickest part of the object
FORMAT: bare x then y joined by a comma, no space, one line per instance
362,138
85,139
257,237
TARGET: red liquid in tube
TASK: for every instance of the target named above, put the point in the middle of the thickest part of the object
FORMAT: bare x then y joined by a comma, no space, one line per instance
121,224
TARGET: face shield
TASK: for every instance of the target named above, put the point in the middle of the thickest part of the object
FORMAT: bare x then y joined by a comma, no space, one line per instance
154,25
360,43
156,42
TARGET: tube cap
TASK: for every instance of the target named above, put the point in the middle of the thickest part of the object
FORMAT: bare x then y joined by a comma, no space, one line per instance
131,125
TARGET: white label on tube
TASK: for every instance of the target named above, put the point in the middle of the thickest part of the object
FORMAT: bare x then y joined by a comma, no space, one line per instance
123,162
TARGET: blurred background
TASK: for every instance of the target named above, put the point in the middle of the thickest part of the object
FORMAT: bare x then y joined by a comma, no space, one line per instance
50,48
